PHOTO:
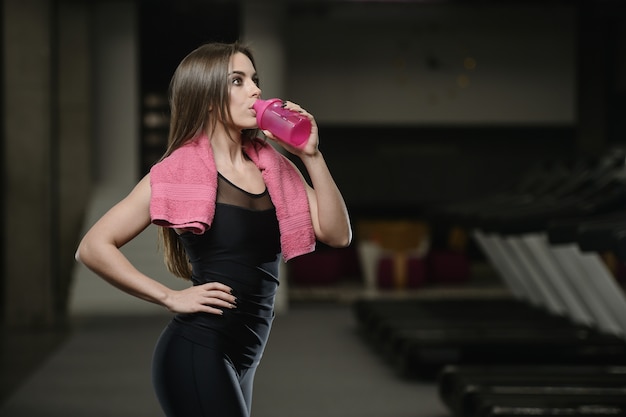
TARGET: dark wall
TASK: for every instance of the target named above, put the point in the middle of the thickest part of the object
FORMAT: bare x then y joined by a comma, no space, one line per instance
384,170
169,30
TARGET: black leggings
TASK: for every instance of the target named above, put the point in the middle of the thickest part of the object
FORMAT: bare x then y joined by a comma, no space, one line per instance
192,380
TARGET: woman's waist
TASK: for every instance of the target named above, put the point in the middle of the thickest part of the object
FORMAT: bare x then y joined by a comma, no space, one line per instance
232,327
240,270
245,314
246,287
243,345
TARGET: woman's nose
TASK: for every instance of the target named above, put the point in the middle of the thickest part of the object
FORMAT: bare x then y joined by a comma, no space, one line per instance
256,91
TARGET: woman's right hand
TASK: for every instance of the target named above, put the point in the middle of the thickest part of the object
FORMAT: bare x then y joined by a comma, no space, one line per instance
211,298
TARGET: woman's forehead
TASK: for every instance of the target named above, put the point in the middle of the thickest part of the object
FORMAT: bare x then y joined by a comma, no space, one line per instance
239,62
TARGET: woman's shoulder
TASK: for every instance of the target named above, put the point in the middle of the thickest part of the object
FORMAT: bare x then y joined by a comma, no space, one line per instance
143,187
139,196
186,157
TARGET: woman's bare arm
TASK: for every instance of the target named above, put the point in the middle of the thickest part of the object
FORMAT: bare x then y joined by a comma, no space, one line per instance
328,209
99,250
329,214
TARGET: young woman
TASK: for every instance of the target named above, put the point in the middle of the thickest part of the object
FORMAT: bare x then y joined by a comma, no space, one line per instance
228,206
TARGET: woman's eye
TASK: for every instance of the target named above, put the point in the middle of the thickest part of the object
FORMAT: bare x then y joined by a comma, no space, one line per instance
236,81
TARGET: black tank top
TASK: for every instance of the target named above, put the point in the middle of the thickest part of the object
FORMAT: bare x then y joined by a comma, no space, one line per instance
241,250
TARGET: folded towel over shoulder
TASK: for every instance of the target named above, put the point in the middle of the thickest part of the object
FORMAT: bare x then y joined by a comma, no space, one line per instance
184,190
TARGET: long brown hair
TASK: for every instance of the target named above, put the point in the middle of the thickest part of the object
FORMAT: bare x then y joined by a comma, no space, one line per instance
199,99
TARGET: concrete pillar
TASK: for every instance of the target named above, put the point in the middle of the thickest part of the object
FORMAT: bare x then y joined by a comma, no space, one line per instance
116,93
75,131
262,29
29,275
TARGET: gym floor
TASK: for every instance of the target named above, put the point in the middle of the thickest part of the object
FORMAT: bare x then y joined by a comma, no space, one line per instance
315,364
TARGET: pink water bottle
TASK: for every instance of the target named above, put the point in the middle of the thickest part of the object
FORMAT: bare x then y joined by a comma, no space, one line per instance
287,125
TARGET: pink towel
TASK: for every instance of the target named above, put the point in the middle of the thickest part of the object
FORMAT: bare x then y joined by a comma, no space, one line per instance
184,189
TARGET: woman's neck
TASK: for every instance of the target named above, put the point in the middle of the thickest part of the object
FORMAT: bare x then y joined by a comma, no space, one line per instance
227,148
232,162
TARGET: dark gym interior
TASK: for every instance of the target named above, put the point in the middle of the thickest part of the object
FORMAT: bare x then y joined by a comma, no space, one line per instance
480,146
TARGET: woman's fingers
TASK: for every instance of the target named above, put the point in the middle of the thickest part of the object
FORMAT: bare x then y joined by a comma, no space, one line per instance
311,146
210,310
211,298
290,105
218,294
269,134
216,286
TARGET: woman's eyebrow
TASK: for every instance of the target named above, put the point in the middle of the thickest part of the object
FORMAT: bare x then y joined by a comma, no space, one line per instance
237,72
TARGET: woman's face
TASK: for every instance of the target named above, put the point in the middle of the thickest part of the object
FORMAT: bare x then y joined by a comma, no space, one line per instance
243,86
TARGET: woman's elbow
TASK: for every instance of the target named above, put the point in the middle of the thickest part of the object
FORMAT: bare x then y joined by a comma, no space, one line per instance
79,255
338,240
342,243
82,254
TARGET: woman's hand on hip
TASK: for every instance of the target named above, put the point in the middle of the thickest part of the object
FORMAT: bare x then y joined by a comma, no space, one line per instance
211,298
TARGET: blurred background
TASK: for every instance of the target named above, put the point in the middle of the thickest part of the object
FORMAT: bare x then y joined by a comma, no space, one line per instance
420,103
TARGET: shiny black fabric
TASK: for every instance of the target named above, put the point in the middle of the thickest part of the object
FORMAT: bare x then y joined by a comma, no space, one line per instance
241,250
